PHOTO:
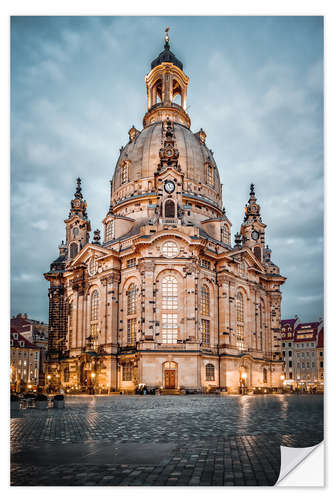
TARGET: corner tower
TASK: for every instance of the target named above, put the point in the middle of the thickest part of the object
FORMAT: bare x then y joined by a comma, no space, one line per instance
77,223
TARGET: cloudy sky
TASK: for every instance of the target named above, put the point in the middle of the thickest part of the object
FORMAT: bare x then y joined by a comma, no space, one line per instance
256,88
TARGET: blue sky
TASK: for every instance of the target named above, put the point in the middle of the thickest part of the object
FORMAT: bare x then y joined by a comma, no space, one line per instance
256,88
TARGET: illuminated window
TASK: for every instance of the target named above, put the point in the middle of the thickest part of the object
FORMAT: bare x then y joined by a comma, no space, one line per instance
169,293
260,336
127,372
131,299
94,306
70,324
205,333
131,331
170,249
131,263
169,328
124,173
109,231
210,372
240,321
169,305
204,300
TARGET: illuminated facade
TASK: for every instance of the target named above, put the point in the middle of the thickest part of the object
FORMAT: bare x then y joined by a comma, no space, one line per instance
164,298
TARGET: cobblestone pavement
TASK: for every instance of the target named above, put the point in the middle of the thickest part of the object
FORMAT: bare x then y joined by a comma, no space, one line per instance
161,440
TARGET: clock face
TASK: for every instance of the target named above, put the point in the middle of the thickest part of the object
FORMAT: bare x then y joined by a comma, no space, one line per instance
76,203
255,235
169,186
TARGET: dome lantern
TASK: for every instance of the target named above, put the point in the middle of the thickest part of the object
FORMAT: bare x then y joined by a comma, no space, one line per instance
165,84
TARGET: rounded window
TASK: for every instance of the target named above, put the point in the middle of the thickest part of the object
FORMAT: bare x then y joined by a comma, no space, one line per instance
170,249
92,269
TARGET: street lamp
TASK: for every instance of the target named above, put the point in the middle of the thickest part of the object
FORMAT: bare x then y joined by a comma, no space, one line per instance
93,375
243,377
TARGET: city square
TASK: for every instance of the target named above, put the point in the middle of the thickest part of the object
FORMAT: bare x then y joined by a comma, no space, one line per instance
193,440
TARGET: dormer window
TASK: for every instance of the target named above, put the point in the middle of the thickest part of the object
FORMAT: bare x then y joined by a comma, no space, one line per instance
109,231
210,174
21,343
124,172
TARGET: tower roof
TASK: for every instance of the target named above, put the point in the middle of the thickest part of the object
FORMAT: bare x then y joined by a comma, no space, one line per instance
167,55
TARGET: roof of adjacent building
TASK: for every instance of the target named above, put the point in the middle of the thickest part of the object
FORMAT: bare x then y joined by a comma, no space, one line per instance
307,332
17,339
320,342
288,328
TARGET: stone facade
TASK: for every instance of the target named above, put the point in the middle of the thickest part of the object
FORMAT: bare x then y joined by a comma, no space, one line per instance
165,299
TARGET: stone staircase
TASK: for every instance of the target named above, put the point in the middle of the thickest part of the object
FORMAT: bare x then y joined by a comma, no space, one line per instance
169,392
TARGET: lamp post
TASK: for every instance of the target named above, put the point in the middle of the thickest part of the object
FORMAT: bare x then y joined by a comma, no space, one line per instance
282,377
49,382
243,377
93,375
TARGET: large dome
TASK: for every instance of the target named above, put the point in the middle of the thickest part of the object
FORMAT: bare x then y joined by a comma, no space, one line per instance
142,156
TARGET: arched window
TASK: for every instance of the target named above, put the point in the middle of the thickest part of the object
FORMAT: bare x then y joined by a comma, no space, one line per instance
131,312
257,252
131,299
127,372
70,324
261,327
94,306
210,372
204,300
109,231
73,250
169,209
169,306
240,321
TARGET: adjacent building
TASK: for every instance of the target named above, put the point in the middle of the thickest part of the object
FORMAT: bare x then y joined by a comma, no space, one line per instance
301,345
164,297
24,363
36,332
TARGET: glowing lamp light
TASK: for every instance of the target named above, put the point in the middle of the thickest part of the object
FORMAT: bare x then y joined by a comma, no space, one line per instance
282,377
93,375
244,376
48,377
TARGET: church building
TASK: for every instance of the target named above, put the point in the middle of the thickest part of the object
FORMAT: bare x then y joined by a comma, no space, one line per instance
163,297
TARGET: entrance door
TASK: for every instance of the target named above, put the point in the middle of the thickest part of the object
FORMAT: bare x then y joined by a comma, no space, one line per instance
170,379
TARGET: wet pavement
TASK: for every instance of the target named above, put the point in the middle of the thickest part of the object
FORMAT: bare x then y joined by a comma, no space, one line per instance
161,440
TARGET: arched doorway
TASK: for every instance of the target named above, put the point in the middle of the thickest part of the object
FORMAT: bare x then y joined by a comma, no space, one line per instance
169,209
170,375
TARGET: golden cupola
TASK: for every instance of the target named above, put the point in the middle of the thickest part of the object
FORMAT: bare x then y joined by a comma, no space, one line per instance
165,82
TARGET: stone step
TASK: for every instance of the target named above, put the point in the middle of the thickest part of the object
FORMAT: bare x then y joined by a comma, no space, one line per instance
169,392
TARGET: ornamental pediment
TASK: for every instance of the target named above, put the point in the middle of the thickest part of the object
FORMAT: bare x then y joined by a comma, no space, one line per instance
247,256
87,252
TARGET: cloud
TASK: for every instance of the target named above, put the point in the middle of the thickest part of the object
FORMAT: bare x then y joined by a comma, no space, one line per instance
78,85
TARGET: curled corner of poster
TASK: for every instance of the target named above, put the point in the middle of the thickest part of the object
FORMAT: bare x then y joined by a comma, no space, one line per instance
302,466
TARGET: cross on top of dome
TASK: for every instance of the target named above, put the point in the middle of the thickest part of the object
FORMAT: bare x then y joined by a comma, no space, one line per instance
167,55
